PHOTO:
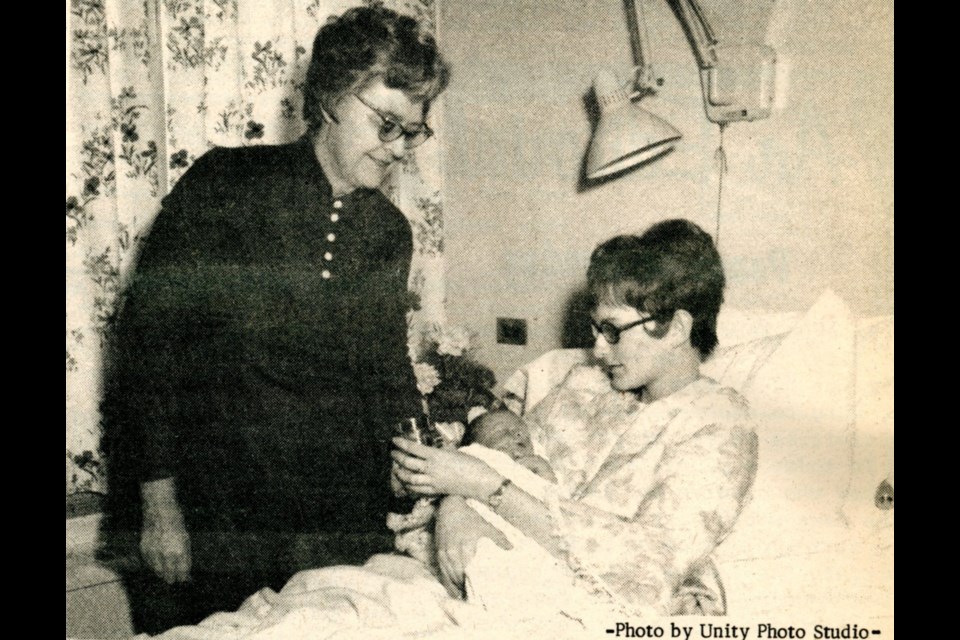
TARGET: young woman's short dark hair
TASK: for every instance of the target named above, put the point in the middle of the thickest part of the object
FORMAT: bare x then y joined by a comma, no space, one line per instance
673,265
367,43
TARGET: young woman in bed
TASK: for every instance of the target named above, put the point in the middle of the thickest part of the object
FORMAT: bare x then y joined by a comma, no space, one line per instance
653,462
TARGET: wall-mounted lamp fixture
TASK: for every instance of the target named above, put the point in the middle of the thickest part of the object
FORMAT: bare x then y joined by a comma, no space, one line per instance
626,134
736,80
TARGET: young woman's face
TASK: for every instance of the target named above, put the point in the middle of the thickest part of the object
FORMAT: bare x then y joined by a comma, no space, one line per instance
358,157
638,358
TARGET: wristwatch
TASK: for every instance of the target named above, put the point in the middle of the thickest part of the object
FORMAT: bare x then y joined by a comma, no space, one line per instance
496,498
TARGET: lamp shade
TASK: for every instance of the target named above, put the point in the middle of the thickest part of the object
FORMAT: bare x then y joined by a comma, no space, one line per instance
626,134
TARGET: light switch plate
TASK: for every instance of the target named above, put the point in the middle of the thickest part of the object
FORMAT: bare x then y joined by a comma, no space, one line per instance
511,331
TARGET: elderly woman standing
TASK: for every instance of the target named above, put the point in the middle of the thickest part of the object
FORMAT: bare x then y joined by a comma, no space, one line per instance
261,356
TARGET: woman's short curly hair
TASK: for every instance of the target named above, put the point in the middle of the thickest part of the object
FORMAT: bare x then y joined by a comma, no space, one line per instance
366,43
673,265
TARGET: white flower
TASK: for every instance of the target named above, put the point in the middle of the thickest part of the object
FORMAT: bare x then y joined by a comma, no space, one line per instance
427,377
453,341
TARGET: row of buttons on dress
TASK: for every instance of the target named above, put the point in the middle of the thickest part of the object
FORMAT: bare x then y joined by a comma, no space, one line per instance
331,237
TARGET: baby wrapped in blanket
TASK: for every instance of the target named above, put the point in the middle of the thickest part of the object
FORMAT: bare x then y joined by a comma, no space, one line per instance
524,581
498,431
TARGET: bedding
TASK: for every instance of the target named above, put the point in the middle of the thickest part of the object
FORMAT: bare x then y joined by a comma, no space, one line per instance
398,595
645,493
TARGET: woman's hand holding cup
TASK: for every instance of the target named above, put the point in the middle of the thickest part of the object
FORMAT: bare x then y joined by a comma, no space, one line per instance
430,472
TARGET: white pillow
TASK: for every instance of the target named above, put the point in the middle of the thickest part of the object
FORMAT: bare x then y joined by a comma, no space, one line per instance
802,398
738,365
736,326
532,382
802,572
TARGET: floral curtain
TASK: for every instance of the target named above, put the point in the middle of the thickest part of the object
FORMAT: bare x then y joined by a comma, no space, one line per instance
153,84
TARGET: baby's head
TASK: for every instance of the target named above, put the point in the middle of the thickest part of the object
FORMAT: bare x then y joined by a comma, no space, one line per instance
503,431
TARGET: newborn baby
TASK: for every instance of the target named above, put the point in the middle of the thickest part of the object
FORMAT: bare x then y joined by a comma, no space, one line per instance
508,433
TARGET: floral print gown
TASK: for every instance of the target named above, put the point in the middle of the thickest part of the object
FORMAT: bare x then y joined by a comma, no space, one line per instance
647,491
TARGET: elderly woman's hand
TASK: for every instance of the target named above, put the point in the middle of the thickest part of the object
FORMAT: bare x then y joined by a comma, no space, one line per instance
457,532
427,471
164,541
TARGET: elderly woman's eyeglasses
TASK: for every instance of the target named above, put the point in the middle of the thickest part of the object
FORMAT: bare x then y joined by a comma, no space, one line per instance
611,332
391,130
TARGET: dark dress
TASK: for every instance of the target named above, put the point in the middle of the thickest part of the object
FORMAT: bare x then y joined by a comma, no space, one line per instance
260,360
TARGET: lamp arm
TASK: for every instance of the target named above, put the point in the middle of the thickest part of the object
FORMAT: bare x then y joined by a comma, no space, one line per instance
698,30
637,24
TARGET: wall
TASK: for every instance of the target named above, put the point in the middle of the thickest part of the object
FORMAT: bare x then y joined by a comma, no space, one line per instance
808,199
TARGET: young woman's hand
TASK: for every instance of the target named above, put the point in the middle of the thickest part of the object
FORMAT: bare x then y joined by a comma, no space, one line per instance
428,471
457,532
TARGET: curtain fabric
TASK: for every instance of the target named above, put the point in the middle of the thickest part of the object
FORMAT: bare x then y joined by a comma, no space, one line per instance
152,85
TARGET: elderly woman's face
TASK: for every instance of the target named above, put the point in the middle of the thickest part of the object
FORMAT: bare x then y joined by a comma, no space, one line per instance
358,157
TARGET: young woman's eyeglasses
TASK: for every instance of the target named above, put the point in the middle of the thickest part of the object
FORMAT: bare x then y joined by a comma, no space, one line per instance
390,129
611,332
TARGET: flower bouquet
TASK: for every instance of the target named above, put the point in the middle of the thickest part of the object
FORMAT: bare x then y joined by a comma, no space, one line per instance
452,383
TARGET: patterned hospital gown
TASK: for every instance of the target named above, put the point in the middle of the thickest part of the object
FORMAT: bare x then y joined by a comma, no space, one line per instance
648,491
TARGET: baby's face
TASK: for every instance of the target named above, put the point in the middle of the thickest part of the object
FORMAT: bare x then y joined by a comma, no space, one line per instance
507,436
